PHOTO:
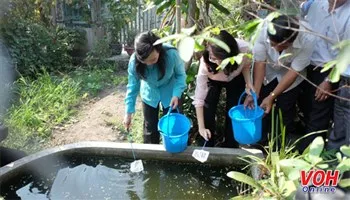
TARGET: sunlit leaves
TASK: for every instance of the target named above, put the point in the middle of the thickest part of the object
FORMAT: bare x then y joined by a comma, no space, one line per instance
186,47
342,61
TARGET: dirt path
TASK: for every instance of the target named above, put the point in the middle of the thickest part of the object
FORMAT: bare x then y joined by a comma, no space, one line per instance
97,120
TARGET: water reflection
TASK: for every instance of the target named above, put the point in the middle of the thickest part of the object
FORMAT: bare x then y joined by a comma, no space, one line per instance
93,178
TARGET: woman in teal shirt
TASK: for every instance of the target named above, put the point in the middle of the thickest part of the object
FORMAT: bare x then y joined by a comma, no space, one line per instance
158,74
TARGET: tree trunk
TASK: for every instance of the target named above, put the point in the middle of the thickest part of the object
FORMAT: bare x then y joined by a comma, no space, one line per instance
191,16
178,16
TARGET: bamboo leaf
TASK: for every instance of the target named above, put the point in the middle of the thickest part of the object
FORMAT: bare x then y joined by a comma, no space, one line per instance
164,5
188,31
218,42
218,6
271,29
335,75
223,64
238,176
239,58
198,47
284,56
272,16
169,38
329,65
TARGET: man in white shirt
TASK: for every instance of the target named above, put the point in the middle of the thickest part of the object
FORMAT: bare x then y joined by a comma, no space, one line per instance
330,19
280,54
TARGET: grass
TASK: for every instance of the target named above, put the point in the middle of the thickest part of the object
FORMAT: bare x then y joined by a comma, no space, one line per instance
43,103
136,129
51,100
94,80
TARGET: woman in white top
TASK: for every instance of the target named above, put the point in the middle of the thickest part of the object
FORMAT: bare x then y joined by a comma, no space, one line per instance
210,82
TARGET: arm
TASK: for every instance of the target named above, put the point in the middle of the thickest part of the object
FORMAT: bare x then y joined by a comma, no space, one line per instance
259,74
260,56
246,67
200,94
287,80
133,87
180,75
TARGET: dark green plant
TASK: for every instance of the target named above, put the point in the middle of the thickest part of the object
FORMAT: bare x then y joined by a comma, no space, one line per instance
33,46
131,38
121,13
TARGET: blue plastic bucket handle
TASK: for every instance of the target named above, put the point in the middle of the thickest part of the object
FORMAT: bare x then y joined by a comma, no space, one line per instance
255,100
169,111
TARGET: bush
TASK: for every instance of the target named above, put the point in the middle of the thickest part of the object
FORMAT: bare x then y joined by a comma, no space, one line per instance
33,46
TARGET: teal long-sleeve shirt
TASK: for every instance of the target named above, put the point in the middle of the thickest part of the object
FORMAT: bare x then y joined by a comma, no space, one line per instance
152,90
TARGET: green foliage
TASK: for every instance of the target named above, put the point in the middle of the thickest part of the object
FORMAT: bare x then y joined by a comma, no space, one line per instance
189,43
43,103
99,53
33,46
93,80
122,12
280,170
341,62
228,20
48,101
168,7
131,38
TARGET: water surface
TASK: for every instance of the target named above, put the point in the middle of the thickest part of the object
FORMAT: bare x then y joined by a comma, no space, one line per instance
110,178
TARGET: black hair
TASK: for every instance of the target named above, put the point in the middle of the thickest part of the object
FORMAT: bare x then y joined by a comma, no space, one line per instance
222,53
283,33
143,48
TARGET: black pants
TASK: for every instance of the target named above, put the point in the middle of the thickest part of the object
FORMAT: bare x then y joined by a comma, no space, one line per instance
341,132
234,89
150,124
317,114
286,102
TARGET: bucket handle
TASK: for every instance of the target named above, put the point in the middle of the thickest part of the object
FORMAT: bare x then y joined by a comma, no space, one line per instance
169,111
254,97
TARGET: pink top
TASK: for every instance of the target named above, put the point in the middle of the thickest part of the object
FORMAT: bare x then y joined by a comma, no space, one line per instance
203,75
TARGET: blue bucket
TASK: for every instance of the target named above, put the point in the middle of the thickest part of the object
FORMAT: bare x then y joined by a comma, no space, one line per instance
174,128
246,123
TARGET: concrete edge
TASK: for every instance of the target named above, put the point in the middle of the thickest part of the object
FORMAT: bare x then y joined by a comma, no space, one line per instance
218,156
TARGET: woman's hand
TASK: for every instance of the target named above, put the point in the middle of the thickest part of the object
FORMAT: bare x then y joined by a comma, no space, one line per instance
267,104
127,121
249,102
205,133
249,88
174,102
